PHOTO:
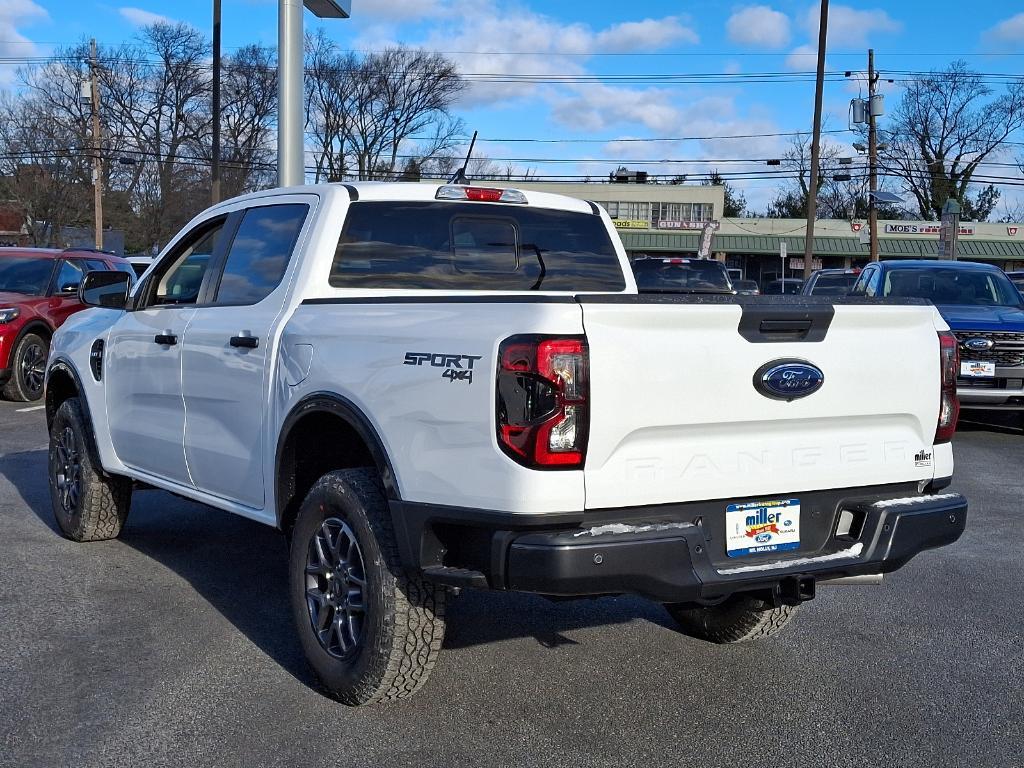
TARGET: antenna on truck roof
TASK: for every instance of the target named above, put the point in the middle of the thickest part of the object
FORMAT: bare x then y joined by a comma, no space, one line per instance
460,175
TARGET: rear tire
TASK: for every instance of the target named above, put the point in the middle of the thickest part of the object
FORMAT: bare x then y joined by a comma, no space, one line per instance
371,631
88,504
738,619
28,369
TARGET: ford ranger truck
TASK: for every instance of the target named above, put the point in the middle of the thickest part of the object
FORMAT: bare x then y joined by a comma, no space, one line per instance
433,387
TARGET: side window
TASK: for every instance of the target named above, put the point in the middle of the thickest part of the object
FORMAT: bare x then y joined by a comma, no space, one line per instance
96,265
874,283
69,277
180,277
860,286
260,252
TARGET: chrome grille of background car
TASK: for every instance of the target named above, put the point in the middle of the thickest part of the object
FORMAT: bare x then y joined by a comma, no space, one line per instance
1008,351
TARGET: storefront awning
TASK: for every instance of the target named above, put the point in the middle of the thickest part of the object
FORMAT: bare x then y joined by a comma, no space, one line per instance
888,247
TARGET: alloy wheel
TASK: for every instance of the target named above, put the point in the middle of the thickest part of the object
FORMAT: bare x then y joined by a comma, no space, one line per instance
336,588
33,368
68,470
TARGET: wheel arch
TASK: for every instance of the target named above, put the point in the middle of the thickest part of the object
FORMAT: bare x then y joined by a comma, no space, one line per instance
323,432
63,383
37,326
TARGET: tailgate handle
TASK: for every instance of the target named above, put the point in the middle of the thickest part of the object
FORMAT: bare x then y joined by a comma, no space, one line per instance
788,327
770,323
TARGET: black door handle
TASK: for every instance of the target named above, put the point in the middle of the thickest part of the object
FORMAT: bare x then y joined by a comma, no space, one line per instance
247,342
166,339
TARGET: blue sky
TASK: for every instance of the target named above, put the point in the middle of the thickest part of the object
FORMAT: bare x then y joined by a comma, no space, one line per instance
606,43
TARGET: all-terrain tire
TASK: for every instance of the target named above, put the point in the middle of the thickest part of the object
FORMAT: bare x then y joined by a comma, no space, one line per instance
402,620
28,364
89,505
738,619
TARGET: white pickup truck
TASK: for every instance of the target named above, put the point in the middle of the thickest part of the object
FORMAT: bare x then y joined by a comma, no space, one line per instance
433,387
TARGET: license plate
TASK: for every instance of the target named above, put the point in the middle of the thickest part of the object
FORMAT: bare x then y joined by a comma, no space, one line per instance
762,526
977,369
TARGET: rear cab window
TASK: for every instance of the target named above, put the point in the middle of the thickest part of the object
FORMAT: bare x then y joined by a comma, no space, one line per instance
681,274
474,246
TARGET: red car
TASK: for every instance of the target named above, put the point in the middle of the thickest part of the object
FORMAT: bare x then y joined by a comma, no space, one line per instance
38,291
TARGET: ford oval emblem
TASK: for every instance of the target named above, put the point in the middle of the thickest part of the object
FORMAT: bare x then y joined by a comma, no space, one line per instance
788,379
979,345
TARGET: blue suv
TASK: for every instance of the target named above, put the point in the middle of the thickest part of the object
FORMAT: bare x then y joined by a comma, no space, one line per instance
983,309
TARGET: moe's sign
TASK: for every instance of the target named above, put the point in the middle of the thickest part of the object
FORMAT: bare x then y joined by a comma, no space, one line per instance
924,229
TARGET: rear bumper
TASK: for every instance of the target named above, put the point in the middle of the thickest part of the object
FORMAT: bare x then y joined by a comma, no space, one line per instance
672,564
1005,392
680,557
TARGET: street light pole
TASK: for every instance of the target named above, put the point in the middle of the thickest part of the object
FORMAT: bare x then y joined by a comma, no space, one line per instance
215,160
812,194
291,167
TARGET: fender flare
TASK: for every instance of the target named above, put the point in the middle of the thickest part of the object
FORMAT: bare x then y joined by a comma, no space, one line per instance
343,408
63,366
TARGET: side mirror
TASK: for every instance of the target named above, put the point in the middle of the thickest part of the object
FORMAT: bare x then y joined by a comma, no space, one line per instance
105,288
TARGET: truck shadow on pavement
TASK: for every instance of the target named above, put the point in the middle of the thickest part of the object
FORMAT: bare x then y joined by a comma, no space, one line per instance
240,568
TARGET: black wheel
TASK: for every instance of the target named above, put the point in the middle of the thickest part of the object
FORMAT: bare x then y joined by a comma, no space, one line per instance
738,619
88,505
371,631
28,369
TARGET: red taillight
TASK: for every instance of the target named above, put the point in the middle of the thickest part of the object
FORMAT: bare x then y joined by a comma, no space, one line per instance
483,194
949,405
542,409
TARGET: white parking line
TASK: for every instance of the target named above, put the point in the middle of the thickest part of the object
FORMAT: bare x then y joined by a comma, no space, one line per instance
30,408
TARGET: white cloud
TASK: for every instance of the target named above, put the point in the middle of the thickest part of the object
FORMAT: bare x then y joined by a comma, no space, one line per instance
848,26
758,25
597,107
647,34
803,58
141,18
15,14
511,43
1007,34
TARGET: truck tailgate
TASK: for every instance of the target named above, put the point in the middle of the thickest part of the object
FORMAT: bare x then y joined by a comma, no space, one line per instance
675,415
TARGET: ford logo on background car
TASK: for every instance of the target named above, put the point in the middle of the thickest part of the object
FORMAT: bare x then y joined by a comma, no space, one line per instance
979,344
788,379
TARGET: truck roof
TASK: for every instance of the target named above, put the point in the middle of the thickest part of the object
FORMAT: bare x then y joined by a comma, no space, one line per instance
935,263
417,191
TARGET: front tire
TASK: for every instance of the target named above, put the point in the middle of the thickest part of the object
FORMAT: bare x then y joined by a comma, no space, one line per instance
371,631
28,369
739,619
88,504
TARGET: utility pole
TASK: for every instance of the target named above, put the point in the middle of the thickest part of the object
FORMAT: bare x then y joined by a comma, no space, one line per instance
97,139
215,160
872,157
812,194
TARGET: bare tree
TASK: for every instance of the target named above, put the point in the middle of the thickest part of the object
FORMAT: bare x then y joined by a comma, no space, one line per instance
43,161
837,199
946,125
372,114
248,112
327,105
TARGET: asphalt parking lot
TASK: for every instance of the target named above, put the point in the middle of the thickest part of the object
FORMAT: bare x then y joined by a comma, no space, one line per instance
173,646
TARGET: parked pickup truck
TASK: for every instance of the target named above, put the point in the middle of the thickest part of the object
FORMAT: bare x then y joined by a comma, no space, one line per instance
433,387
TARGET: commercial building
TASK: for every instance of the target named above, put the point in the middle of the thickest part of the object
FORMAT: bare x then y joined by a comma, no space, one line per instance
673,220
